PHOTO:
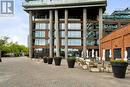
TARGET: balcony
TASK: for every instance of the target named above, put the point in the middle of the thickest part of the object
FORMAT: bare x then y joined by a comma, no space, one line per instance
58,2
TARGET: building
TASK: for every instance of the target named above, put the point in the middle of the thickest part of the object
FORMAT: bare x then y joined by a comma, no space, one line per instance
116,20
64,26
116,45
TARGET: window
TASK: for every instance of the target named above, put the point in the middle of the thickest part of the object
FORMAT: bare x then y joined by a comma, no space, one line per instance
39,34
91,43
62,34
107,54
41,26
74,42
62,26
74,34
41,42
71,42
128,53
117,53
71,34
76,26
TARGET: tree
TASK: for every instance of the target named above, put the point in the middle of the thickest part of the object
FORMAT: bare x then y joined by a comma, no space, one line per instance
3,42
17,50
14,49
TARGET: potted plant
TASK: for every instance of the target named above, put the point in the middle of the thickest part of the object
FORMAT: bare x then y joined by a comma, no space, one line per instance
45,59
71,62
57,61
49,60
119,68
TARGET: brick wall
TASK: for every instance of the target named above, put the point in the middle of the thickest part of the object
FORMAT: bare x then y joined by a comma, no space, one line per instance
119,38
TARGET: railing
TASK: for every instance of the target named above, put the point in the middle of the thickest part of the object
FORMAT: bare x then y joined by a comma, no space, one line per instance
116,17
53,2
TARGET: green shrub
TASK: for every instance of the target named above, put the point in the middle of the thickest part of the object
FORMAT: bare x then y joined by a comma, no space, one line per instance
119,61
72,58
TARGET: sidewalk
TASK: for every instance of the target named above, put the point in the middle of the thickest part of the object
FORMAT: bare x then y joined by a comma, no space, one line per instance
23,72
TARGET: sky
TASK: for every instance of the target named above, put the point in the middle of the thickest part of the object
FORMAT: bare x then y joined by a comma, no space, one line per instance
16,27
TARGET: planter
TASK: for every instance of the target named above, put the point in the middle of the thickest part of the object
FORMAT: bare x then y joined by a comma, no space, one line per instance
71,62
119,69
57,61
45,59
49,60
0,60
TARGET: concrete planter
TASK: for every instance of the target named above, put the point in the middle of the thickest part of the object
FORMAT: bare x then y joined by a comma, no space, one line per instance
45,59
71,62
119,69
49,60
57,61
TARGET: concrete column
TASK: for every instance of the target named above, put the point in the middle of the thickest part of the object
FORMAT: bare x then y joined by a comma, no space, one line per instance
51,32
84,31
100,23
57,34
100,28
66,33
30,35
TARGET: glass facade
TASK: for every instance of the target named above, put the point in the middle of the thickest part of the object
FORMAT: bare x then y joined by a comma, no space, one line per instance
91,43
74,34
75,26
40,42
41,26
39,34
71,26
74,42
62,26
110,26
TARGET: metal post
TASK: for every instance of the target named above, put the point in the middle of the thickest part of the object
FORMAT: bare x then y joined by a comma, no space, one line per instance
84,31
30,35
57,34
66,33
51,32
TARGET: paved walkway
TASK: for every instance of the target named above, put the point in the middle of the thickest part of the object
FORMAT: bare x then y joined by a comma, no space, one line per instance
23,72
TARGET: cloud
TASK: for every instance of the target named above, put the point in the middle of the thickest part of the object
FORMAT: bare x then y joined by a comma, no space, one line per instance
14,27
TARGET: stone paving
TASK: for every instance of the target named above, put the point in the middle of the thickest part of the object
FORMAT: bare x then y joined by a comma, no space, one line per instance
24,72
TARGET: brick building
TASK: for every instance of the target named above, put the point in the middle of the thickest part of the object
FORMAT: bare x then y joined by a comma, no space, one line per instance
116,45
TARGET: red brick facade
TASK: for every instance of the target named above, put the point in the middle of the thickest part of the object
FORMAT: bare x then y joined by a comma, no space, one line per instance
119,38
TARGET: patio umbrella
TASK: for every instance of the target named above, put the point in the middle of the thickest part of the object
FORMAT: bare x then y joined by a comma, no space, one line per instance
87,53
92,53
126,54
103,57
82,54
96,54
